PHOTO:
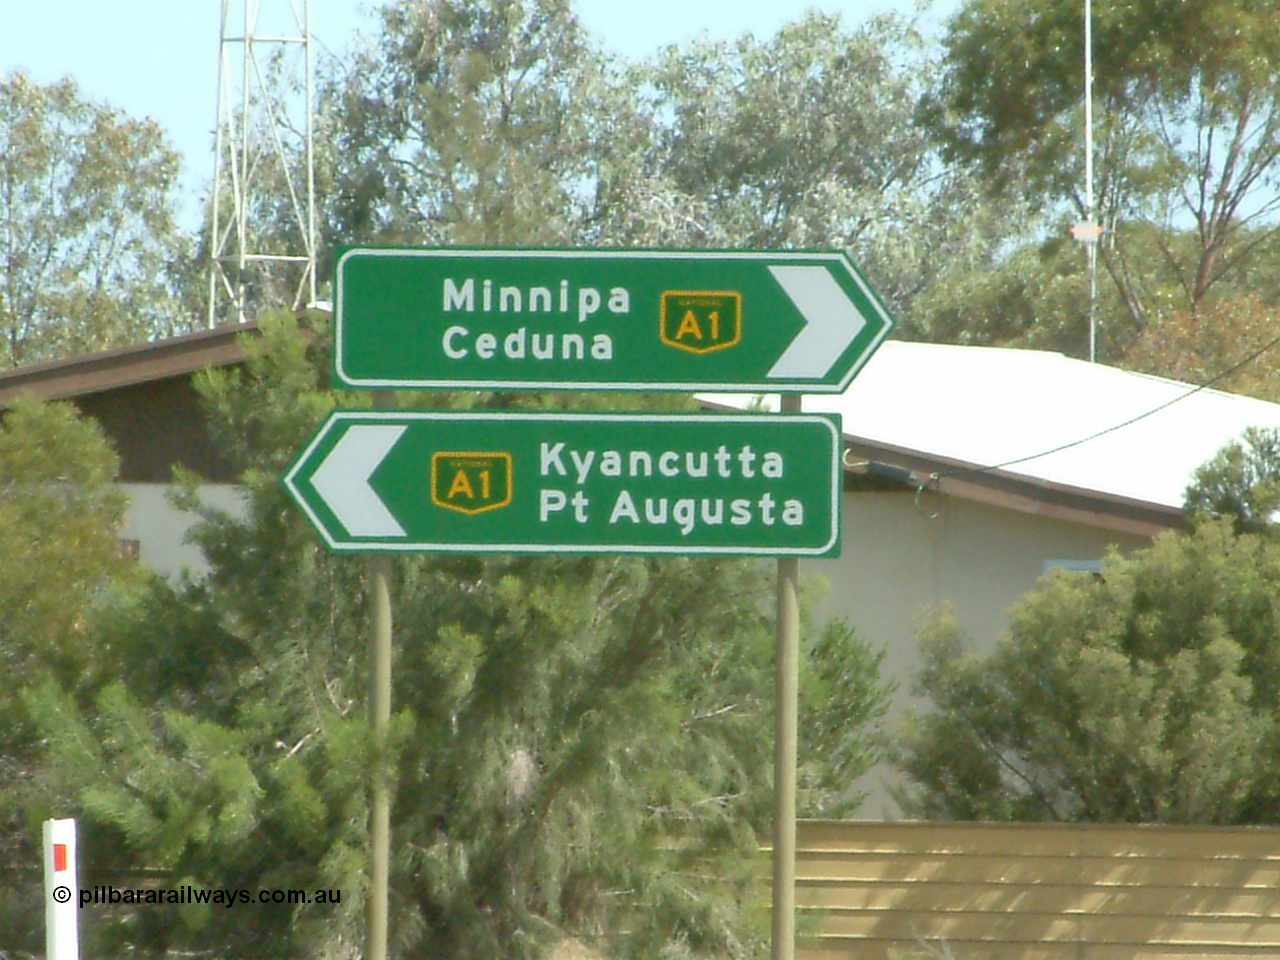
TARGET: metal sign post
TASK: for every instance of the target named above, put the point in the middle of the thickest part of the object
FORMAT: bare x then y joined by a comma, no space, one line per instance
379,568
786,710
379,572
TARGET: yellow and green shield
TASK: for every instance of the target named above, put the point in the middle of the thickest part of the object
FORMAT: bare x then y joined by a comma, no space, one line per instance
471,482
701,321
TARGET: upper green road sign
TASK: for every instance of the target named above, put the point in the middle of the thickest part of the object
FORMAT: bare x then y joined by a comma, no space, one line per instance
768,322
747,484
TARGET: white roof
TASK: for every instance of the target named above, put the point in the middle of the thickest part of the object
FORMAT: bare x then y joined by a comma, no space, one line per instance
988,406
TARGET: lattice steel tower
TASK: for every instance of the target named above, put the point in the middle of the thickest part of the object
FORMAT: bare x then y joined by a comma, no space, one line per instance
262,221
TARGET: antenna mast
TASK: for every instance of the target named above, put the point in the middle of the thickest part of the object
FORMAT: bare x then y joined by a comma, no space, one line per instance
1089,232
262,157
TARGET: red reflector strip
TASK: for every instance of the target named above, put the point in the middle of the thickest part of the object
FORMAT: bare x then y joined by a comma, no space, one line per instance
59,857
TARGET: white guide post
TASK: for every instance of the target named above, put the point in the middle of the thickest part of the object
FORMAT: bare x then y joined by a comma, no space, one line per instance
61,891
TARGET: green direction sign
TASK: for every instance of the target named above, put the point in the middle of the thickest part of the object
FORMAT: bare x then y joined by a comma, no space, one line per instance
747,321
747,484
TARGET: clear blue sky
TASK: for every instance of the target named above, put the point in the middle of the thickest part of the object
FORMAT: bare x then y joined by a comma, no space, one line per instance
158,58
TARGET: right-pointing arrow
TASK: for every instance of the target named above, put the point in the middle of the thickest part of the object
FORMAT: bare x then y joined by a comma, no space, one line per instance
343,480
831,322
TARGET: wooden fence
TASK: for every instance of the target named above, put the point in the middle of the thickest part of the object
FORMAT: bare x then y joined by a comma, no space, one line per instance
1037,891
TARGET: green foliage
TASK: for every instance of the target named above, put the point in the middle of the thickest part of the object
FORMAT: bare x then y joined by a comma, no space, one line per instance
59,517
804,139
86,225
1015,71
1034,296
61,570
1144,695
1229,343
502,122
470,123
840,692
800,140
583,747
1241,483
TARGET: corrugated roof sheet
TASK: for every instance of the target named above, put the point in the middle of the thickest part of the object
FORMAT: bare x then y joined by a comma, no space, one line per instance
989,406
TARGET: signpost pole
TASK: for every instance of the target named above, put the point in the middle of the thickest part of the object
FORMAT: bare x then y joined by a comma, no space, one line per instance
784,747
379,571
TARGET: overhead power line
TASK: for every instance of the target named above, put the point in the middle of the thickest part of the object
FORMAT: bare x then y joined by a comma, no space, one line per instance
935,477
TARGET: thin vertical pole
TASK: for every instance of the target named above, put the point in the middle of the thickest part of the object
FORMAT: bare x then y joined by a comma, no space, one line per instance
1092,243
1088,108
1093,301
379,569
311,157
215,249
242,199
784,747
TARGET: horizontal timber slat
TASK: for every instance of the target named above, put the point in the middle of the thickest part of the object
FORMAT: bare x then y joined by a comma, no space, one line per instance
1070,871
1061,839
870,949
1025,927
1043,898
1037,891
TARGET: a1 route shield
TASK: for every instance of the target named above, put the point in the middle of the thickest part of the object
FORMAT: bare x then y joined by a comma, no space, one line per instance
740,484
743,321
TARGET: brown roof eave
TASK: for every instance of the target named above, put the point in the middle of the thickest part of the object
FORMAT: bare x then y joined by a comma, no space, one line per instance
126,366
1025,494
184,355
1012,491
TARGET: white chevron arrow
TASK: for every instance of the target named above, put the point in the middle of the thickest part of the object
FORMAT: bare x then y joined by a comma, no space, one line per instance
831,322
343,480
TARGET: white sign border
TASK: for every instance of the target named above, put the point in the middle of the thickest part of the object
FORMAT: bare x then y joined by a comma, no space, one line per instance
780,257
829,421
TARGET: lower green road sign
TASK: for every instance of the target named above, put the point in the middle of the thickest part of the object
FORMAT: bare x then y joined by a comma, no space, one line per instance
746,484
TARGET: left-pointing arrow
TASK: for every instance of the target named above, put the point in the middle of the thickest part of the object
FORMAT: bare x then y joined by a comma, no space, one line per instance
343,480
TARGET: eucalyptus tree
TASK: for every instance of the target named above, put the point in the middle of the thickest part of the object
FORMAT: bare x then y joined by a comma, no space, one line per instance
505,122
88,241
809,139
470,123
1187,119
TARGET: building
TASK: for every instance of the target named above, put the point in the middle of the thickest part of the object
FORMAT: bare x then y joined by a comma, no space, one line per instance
143,398
969,471
972,471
